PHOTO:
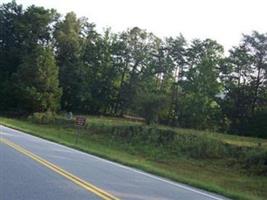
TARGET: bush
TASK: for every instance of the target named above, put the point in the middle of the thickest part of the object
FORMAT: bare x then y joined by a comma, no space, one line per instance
165,143
200,147
43,117
169,141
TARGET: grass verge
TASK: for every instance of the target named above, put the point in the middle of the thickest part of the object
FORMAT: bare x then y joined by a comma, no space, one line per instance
210,161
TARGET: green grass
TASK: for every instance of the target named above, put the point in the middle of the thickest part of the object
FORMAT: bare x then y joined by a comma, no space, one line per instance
210,161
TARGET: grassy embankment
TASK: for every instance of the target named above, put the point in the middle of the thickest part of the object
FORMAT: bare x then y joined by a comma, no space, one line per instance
230,165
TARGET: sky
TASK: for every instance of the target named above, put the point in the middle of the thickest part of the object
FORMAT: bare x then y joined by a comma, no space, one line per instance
222,20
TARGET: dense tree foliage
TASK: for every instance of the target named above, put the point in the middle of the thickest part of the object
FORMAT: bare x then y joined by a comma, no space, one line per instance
27,66
245,85
37,82
48,62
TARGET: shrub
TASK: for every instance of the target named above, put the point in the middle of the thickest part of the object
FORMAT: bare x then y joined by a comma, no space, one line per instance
43,117
201,146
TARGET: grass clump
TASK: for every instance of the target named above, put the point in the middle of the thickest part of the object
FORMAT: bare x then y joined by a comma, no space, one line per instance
256,162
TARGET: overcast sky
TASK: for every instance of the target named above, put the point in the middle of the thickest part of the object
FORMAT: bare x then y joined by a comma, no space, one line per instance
222,20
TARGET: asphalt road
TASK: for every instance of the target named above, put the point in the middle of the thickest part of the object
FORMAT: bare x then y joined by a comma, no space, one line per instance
23,178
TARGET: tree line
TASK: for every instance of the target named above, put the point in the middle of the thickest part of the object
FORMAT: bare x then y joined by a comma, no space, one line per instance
51,63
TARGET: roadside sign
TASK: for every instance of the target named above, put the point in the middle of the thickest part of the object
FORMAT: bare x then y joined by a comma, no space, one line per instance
80,121
69,116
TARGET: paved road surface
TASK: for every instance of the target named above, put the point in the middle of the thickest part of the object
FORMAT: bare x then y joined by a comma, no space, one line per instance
22,178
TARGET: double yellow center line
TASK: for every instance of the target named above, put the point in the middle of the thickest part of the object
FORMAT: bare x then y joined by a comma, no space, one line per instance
84,184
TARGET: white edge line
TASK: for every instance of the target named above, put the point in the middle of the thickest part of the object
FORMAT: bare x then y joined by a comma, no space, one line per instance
123,166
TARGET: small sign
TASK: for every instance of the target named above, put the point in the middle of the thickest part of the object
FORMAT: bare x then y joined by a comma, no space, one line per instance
69,116
80,121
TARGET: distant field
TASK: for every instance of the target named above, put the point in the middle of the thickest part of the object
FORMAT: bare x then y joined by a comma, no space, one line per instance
230,165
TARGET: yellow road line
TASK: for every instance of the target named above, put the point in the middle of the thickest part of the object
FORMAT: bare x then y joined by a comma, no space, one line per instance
82,183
